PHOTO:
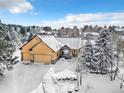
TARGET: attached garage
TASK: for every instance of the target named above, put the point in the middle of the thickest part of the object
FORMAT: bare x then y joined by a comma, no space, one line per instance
41,49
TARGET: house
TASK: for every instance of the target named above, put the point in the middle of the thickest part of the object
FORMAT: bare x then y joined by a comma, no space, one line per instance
41,49
72,45
119,31
90,35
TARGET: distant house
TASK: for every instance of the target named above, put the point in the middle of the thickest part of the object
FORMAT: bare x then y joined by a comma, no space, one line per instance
41,49
119,31
72,45
90,35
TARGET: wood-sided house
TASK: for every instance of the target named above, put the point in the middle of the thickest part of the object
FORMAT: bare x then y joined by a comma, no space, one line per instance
41,49
73,45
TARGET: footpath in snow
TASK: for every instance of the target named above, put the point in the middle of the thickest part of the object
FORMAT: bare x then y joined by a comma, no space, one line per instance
59,78
23,78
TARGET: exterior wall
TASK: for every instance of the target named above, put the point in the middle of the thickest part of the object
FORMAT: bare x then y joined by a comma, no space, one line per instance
57,54
75,52
25,56
25,53
30,44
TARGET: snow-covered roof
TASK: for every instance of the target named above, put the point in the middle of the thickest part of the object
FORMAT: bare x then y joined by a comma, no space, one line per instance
119,29
73,43
93,42
65,74
51,42
122,37
93,33
26,42
42,31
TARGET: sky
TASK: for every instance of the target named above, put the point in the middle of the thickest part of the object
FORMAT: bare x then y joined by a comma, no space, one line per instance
57,13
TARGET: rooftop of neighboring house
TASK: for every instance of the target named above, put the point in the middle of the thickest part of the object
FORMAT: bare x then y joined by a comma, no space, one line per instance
93,42
119,29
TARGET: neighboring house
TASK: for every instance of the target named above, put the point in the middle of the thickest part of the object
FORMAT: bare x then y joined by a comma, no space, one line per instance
73,45
41,49
90,35
119,31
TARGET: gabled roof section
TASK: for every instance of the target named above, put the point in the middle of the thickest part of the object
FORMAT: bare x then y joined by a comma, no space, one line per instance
27,41
73,43
51,42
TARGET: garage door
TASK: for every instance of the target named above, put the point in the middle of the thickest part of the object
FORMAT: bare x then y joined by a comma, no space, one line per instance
40,58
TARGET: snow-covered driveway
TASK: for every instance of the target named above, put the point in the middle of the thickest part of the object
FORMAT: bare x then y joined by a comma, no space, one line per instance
24,78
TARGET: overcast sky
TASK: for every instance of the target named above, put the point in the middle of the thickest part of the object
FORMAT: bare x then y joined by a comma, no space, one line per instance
57,13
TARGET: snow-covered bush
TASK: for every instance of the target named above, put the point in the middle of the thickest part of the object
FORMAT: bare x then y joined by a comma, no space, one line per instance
65,75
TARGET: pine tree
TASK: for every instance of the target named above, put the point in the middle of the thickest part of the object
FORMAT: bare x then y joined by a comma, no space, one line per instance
104,56
0,22
88,54
6,50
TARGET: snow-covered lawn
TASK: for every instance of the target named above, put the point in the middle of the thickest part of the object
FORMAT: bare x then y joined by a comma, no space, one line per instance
94,83
30,78
24,78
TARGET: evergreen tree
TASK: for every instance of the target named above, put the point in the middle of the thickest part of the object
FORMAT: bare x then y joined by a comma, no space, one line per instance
6,50
47,28
75,31
0,22
22,31
88,54
104,56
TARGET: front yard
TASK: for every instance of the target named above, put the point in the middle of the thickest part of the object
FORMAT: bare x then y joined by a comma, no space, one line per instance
26,78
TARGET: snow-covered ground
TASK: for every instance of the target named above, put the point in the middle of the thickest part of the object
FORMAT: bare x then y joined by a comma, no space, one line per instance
23,79
94,83
59,78
30,79
63,64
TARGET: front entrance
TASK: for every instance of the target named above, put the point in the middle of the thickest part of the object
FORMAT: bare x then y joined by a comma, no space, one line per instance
74,53
65,52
